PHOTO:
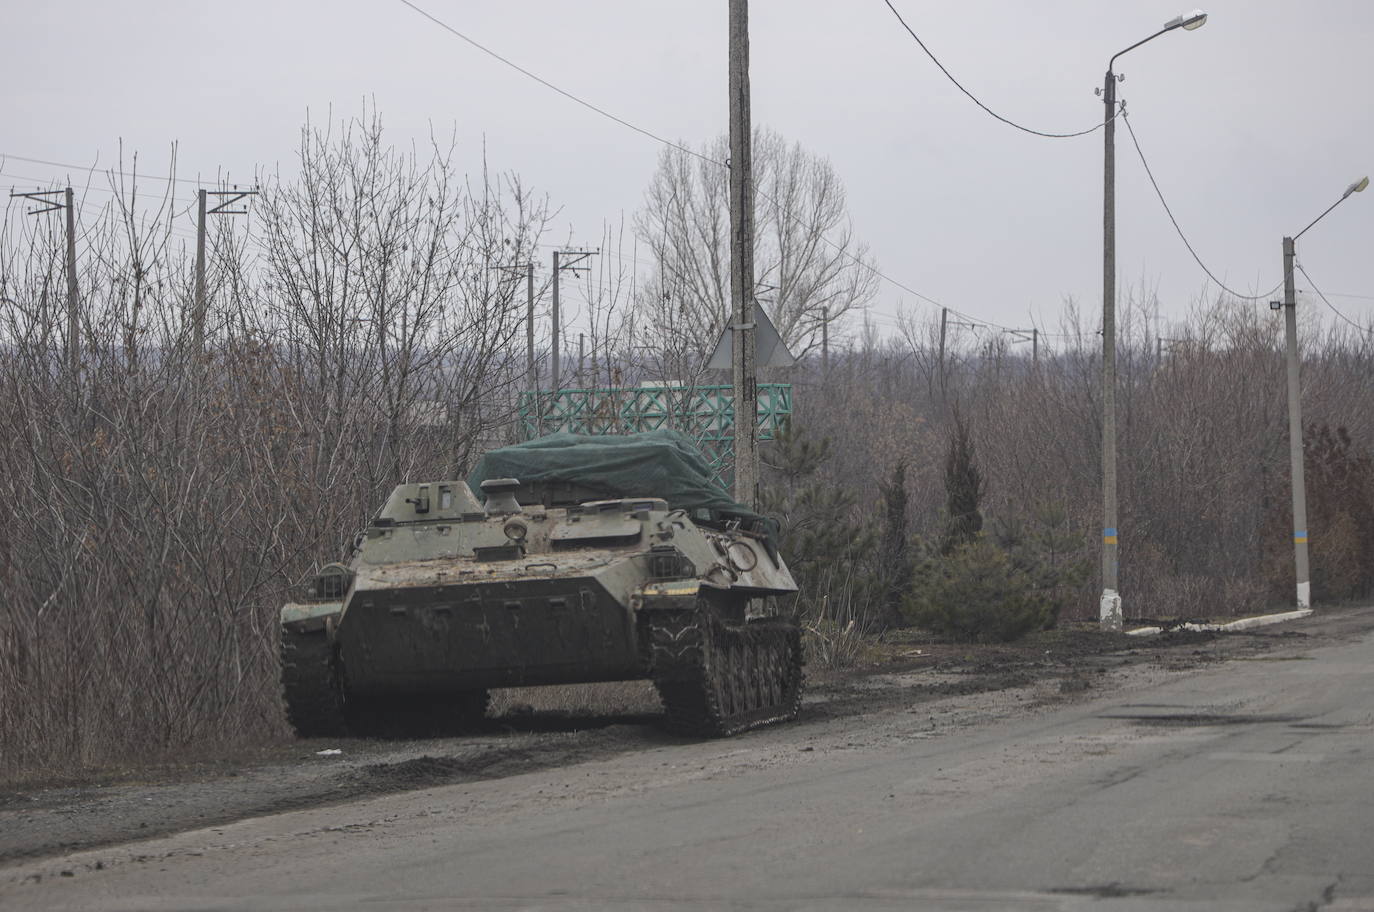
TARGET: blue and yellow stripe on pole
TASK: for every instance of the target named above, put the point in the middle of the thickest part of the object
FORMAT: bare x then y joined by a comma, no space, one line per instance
1109,536
1300,537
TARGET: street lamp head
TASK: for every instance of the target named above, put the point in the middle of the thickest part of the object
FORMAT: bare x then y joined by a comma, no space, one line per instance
1356,187
1187,21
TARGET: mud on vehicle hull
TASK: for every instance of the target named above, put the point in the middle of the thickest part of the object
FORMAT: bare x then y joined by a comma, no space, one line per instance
717,672
502,633
443,598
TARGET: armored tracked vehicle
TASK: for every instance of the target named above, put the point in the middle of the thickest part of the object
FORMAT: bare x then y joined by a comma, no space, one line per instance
589,559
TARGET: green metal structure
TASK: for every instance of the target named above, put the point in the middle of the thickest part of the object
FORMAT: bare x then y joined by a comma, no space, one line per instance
704,413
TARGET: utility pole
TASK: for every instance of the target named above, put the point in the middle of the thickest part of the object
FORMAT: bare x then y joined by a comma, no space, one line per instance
49,204
529,328
1027,335
578,256
825,343
555,317
744,368
73,305
198,315
1295,451
1109,607
944,322
226,199
581,354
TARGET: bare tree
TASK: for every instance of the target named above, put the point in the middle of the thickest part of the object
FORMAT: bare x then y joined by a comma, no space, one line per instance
157,514
810,265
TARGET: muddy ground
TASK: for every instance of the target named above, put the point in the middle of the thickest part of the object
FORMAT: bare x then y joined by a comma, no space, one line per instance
955,685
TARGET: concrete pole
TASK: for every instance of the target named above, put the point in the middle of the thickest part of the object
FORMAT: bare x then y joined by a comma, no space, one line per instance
1035,346
198,314
553,366
529,327
73,314
581,355
944,320
531,369
825,343
1295,448
1109,609
744,374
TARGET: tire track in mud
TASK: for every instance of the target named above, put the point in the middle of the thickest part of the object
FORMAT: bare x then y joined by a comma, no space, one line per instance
60,821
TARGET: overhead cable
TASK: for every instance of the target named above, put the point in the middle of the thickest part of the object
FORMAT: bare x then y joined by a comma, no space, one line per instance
90,168
654,136
1362,329
974,98
566,94
1163,202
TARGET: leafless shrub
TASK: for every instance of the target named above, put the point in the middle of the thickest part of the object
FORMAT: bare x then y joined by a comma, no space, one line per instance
159,505
1202,443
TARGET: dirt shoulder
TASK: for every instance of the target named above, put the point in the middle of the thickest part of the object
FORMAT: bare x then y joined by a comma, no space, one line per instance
560,727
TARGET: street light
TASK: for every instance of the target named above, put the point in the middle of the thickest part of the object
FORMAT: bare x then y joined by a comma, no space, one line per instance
1295,455
1193,20
1110,606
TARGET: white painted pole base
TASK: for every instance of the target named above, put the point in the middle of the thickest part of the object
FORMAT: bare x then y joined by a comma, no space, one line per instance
1109,611
1304,596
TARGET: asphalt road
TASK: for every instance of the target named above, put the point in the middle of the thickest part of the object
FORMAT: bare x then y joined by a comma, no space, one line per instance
1245,785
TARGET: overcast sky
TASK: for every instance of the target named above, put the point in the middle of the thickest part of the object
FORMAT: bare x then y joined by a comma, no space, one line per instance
1253,124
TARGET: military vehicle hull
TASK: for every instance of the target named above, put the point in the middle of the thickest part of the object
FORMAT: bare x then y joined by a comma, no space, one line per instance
440,604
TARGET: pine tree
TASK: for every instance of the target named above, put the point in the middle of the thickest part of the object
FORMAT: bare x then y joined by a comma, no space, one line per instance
964,489
895,558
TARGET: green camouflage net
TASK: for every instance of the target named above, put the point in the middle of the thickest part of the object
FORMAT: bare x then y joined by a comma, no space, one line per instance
661,463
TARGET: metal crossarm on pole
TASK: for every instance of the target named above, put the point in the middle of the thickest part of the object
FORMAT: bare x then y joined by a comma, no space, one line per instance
50,204
226,199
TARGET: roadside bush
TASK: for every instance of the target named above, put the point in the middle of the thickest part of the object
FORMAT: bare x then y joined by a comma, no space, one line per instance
1340,519
1340,484
1047,551
977,594
829,543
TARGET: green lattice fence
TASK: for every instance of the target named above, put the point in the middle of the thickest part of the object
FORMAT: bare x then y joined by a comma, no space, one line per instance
705,413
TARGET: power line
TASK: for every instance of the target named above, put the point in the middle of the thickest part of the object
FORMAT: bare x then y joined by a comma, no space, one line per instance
566,94
973,319
958,85
1159,193
1328,303
88,188
681,148
625,123
90,168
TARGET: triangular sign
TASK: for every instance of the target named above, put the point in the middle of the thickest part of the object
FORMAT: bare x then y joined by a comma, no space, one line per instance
768,345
